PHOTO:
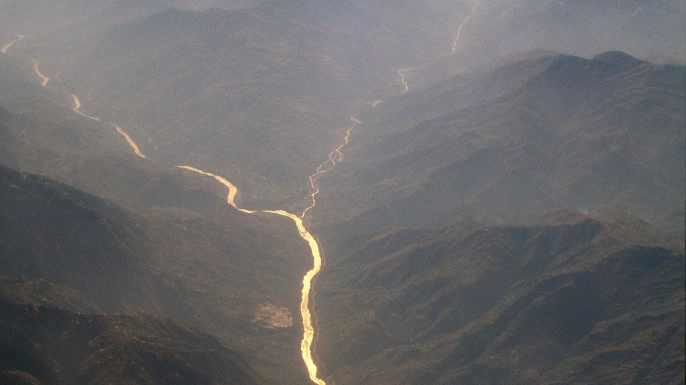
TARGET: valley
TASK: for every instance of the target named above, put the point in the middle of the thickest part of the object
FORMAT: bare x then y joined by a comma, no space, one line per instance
440,192
232,193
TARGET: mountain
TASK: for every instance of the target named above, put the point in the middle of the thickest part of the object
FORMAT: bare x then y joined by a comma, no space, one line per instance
168,263
493,31
507,145
50,346
574,300
517,224
115,233
503,213
640,27
210,86
111,233
138,236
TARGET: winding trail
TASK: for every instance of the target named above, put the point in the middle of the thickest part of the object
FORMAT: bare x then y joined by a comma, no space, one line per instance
8,46
306,235
44,80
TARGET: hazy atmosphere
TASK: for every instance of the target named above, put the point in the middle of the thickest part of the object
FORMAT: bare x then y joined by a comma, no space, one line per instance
342,192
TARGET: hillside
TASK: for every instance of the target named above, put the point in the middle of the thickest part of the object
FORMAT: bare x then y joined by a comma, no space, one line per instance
137,235
503,201
577,300
210,86
49,346
507,145
170,263
450,260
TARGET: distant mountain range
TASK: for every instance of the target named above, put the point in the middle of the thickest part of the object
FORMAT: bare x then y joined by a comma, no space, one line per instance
640,27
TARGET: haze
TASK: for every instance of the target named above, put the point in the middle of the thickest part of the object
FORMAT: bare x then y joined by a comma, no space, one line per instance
342,192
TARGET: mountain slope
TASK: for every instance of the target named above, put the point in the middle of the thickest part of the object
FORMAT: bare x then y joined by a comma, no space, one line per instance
170,263
40,17
50,346
174,248
575,301
211,86
441,269
568,132
62,248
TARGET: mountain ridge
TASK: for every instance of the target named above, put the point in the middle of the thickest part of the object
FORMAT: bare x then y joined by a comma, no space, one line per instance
546,138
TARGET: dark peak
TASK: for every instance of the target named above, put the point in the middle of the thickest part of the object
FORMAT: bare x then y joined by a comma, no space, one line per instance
565,217
571,71
579,226
529,56
567,59
618,58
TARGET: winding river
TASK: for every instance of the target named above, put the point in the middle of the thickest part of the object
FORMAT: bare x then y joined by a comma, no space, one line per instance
76,102
402,72
335,156
460,28
6,47
44,80
132,143
306,235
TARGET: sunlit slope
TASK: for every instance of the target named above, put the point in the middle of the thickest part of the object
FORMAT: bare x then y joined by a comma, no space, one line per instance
553,132
578,300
